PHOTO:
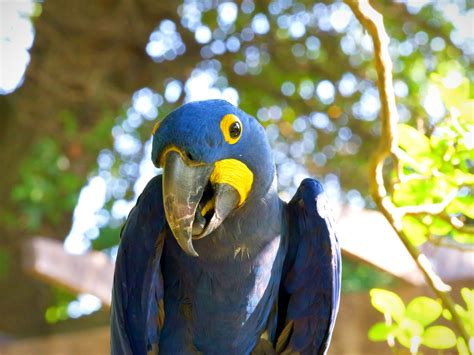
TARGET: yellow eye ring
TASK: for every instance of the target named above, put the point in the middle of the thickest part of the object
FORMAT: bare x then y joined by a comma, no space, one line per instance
231,128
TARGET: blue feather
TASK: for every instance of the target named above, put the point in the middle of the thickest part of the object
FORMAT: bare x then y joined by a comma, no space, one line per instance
312,275
137,281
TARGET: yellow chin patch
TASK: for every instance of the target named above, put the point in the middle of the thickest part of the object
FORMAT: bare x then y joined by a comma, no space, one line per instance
234,173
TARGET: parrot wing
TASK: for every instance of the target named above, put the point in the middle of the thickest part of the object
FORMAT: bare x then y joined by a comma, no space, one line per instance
138,284
311,281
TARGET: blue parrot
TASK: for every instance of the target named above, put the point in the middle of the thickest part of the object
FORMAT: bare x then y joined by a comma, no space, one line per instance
211,260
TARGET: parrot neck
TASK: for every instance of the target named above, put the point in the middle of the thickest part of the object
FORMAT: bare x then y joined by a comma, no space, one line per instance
265,179
232,286
249,228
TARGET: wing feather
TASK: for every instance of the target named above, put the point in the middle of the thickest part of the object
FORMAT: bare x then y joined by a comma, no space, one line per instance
138,283
312,271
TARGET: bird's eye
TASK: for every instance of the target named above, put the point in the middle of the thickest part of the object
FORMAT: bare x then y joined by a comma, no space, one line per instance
234,130
231,128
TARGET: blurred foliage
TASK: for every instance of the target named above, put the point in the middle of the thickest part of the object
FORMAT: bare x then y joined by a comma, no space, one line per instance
304,69
437,167
432,182
4,261
109,237
45,185
360,277
412,325
59,310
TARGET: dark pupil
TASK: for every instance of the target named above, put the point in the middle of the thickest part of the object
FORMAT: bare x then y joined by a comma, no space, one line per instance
234,130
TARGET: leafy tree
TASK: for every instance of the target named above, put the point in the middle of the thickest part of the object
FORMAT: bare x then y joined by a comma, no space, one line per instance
419,179
432,188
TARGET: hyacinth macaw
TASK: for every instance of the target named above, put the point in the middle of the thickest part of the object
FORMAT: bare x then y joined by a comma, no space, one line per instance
211,260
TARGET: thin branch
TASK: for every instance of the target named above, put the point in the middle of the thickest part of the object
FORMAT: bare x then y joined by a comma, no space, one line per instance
433,209
388,145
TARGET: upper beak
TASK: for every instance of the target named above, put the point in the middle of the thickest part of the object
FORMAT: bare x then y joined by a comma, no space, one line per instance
193,207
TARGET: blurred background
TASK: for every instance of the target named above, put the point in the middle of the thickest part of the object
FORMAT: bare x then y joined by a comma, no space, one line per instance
82,84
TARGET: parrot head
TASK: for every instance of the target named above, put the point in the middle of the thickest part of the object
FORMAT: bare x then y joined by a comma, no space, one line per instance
215,158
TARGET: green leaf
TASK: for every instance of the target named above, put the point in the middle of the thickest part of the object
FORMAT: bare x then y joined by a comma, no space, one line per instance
416,231
468,297
462,178
426,191
424,310
413,327
461,311
408,330
413,141
466,314
380,331
462,204
440,227
387,302
447,314
462,347
466,238
439,337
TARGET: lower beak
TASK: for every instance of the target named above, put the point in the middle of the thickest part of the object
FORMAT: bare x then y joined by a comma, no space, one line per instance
193,207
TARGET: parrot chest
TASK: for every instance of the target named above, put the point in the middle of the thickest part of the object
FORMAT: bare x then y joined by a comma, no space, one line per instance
221,305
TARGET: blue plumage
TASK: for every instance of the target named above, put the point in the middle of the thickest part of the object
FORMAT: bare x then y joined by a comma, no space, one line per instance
269,270
138,285
312,269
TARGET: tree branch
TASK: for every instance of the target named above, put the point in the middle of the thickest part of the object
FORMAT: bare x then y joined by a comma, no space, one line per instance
388,145
433,209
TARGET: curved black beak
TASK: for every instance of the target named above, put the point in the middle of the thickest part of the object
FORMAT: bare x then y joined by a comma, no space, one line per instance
194,208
